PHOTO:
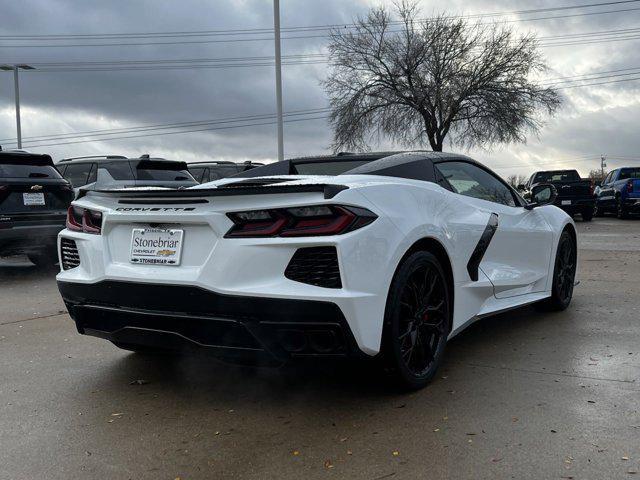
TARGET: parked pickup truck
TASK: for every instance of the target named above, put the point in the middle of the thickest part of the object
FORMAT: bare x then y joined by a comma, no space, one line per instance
34,199
619,192
575,195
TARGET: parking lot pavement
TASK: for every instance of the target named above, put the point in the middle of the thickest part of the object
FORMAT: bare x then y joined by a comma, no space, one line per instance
523,395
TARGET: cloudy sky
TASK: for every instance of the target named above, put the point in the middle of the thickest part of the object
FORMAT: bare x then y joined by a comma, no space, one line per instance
162,81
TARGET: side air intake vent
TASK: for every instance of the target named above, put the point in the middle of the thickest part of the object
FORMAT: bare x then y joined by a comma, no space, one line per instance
69,254
316,266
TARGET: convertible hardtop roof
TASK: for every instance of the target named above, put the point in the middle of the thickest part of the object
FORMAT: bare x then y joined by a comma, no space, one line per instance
416,165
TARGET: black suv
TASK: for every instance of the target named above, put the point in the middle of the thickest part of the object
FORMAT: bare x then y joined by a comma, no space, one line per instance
34,199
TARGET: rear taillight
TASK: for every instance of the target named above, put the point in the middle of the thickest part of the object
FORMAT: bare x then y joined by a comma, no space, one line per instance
630,186
592,188
84,220
309,221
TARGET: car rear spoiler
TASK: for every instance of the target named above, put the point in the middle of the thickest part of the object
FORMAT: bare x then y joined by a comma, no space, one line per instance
32,159
328,190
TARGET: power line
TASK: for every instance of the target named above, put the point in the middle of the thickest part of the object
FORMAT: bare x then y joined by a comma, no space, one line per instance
324,36
599,83
289,29
157,127
144,128
180,132
562,83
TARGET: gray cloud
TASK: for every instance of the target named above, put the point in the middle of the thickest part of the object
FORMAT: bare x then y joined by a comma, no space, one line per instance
594,120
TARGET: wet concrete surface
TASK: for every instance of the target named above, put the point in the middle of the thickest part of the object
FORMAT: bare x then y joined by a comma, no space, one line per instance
523,395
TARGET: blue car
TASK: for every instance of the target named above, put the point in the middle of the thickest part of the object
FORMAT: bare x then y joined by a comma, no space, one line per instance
619,193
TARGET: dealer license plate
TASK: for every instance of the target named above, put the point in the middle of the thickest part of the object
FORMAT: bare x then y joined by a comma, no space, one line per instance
156,246
566,202
30,199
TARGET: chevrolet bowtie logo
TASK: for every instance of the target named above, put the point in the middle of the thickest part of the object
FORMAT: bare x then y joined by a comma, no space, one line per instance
36,188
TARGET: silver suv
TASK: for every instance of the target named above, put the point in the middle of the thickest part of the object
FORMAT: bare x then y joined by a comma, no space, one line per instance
116,171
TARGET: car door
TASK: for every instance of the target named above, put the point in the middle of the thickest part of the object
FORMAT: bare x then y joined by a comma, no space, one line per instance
518,258
606,192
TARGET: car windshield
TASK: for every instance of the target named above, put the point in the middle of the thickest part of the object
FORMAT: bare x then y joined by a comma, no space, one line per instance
327,168
162,171
557,176
627,173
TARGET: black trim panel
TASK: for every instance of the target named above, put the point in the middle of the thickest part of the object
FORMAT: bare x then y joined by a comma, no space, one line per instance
329,191
191,318
476,257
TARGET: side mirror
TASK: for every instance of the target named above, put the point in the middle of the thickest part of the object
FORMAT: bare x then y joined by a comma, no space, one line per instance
542,194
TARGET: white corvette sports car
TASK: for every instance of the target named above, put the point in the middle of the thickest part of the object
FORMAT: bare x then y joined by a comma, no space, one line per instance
366,255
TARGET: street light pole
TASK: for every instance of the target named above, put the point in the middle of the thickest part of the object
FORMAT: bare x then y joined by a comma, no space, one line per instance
276,30
16,84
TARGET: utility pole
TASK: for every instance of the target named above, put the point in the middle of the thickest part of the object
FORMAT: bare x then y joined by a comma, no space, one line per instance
16,84
603,163
276,31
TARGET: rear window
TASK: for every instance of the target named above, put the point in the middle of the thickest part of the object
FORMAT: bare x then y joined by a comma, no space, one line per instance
197,172
27,171
77,173
327,168
162,171
557,176
119,170
225,171
629,173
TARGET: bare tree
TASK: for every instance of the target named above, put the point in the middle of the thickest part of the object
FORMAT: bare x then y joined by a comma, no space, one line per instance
597,175
515,180
420,82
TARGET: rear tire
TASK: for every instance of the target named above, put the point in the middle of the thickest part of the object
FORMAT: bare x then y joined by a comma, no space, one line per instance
564,274
621,210
587,214
417,320
597,211
45,259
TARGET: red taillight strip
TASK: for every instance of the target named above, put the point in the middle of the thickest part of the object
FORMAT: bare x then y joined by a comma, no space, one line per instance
335,226
71,221
285,223
86,225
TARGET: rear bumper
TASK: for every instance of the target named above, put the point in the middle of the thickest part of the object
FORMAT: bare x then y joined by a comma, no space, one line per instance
632,204
236,328
577,204
22,239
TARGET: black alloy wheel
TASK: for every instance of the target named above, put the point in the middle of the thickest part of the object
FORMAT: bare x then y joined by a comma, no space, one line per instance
564,273
417,320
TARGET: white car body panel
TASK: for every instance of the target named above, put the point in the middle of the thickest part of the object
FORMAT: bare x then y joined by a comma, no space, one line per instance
515,270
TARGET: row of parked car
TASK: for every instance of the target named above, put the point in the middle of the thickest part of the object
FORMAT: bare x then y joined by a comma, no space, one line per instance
618,193
116,171
35,192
